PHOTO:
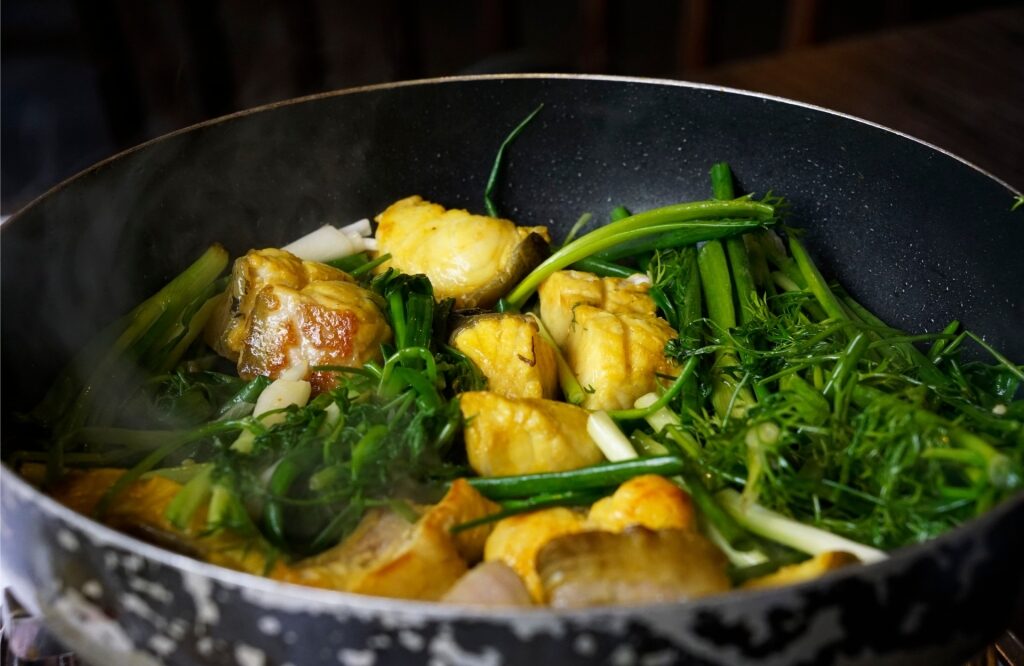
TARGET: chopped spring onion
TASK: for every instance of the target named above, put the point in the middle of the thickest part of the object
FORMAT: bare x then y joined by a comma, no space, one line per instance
613,444
792,533
328,243
281,394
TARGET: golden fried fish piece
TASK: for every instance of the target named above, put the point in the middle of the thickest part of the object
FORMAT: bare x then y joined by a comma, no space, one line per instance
649,501
471,258
616,356
389,556
819,565
141,508
226,331
517,539
511,354
563,291
525,435
636,566
324,323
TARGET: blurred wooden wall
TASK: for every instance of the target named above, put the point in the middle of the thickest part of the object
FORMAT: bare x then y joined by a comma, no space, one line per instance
108,74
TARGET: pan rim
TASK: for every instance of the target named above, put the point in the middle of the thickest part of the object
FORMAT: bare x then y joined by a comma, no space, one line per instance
271,591
332,600
612,78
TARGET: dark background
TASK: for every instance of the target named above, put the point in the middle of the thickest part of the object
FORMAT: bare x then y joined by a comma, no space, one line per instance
83,79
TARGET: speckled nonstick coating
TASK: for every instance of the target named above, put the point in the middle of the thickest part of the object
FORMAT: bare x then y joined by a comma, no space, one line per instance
917,235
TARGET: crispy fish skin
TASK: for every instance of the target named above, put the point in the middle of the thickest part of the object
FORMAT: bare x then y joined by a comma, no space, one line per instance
636,566
324,323
511,354
250,273
389,556
616,356
489,584
819,565
140,509
471,258
517,539
525,436
563,291
386,556
649,501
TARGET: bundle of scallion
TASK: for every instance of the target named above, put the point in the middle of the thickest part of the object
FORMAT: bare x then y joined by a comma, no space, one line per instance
799,422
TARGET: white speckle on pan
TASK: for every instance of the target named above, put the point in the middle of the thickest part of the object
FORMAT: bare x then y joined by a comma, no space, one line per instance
247,655
67,540
660,658
162,645
132,563
527,626
201,587
350,657
585,645
379,642
154,590
204,646
177,629
624,655
137,605
290,637
445,650
269,625
90,633
912,619
92,589
410,640
110,559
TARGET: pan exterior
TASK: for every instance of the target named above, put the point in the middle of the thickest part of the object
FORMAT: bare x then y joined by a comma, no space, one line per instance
915,234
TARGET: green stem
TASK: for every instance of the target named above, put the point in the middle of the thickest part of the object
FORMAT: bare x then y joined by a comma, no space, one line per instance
604,268
515,507
619,213
596,476
722,189
686,217
667,397
571,388
492,179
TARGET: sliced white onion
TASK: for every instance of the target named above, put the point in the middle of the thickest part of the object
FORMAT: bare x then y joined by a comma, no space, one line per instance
792,533
324,244
280,394
660,419
639,279
613,444
370,244
359,228
294,372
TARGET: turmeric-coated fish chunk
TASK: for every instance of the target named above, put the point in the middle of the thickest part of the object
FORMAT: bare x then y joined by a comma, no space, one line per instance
564,291
511,354
471,258
525,436
617,356
649,501
249,275
140,509
324,323
517,539
390,556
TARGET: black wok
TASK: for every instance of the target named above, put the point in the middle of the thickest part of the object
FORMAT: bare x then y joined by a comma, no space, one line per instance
917,235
